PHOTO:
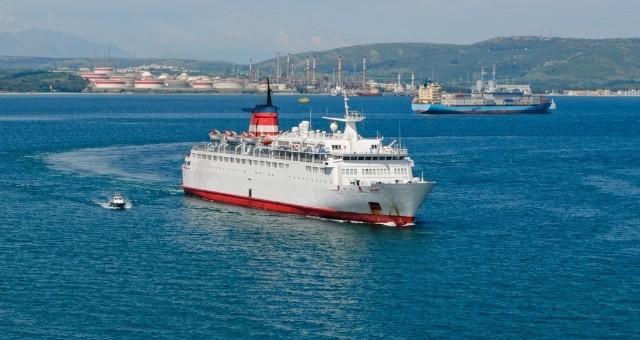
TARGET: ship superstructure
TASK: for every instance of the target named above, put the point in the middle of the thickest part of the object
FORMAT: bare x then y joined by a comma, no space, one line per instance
337,174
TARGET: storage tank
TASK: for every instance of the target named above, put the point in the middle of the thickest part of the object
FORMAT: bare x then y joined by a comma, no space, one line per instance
110,84
229,87
92,76
149,84
107,71
202,85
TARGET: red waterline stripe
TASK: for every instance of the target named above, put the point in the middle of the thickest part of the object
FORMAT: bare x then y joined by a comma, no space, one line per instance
246,201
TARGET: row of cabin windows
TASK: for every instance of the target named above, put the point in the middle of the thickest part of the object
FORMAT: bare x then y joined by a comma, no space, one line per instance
373,158
315,169
374,172
227,159
400,171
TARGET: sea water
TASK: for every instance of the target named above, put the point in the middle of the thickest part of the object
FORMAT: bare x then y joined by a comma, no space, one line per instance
532,230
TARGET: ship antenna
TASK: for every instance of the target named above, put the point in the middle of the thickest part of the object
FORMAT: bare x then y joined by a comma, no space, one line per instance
346,104
268,93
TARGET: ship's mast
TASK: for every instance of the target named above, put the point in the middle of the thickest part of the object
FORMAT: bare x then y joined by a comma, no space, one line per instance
350,119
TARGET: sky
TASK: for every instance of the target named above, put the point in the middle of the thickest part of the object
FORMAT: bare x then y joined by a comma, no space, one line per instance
243,30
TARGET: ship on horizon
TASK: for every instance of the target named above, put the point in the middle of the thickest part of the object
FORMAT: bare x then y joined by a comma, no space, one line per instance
336,175
485,97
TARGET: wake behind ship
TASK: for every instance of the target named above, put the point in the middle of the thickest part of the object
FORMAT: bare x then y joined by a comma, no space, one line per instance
336,175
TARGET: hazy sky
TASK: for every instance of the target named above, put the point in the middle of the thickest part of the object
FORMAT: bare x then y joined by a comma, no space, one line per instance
237,30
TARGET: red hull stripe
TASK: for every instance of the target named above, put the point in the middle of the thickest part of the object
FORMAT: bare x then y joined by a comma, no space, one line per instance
246,201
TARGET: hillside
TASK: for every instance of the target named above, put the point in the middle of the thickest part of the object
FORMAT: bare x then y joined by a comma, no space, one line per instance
41,81
545,63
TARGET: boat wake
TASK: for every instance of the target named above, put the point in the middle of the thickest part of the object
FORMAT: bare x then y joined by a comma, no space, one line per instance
137,163
107,205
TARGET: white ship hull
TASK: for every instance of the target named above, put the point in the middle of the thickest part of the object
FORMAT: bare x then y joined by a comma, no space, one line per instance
298,191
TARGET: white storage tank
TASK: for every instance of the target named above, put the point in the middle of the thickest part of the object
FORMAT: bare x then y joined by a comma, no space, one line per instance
110,83
149,84
230,87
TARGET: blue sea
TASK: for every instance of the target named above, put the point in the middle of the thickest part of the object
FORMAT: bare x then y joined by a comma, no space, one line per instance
532,230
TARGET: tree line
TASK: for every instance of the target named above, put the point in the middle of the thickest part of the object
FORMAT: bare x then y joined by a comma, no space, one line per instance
25,81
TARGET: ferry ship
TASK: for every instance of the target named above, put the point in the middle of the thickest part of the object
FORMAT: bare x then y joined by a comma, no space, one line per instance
485,97
336,175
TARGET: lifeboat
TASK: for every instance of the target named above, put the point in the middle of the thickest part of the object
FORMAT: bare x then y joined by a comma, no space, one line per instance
215,135
232,137
249,138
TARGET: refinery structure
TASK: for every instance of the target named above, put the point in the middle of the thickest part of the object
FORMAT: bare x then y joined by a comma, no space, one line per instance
289,77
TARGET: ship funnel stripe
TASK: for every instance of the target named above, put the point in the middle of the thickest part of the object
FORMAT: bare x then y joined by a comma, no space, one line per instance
264,123
260,129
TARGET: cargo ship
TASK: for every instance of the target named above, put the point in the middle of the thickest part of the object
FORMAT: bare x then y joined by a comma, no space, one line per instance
336,175
485,97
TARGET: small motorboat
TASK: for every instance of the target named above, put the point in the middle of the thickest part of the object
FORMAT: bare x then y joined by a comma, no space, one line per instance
303,100
117,201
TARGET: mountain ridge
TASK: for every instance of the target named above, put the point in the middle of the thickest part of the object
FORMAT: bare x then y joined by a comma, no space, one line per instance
53,44
546,63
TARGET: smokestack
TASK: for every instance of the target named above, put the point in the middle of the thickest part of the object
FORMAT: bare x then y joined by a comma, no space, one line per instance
278,69
288,67
339,71
306,74
314,70
364,73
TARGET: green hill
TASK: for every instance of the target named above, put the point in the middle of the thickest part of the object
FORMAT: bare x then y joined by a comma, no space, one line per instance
40,81
546,63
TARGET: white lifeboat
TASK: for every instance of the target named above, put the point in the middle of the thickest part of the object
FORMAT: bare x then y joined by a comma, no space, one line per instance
215,135
266,140
232,137
249,138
